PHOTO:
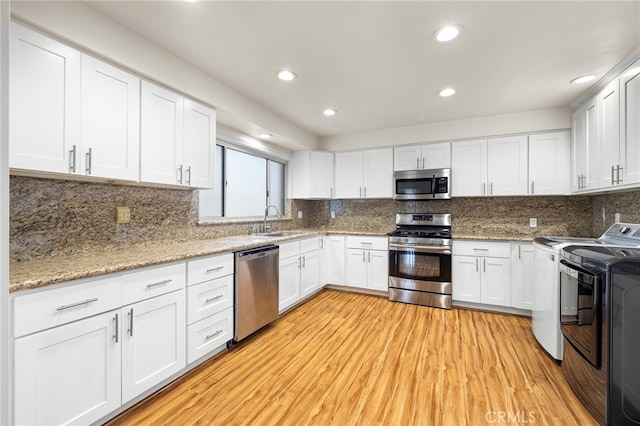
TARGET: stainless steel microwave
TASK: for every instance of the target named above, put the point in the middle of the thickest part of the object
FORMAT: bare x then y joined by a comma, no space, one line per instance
434,184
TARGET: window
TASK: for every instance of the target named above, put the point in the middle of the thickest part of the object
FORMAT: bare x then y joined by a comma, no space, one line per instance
245,185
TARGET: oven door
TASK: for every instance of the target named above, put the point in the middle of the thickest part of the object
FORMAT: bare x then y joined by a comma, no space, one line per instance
580,310
420,268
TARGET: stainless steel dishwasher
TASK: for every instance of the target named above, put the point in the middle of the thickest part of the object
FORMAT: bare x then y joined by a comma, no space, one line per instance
256,289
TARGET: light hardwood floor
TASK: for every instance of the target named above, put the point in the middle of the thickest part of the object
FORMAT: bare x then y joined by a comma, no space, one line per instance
352,359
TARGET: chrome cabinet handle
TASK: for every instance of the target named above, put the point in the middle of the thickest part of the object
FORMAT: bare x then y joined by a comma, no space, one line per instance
115,328
72,160
188,173
299,262
331,192
213,298
551,257
211,336
365,192
360,191
618,173
484,265
73,305
366,243
369,257
484,186
532,187
491,188
417,163
180,174
519,252
612,182
480,249
423,162
217,268
159,283
130,323
88,159
304,261
476,264
321,243
363,256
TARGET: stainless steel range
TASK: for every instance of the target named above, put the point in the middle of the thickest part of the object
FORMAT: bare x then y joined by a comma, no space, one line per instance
420,259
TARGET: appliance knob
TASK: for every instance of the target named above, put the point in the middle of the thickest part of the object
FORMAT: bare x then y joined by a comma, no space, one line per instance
625,229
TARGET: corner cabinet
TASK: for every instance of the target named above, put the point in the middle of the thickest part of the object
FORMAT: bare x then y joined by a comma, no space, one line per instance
630,123
312,175
364,174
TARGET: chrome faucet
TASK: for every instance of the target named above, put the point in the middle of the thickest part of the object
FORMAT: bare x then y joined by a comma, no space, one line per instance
266,212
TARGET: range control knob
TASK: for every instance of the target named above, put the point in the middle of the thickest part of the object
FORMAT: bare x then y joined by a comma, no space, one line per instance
625,229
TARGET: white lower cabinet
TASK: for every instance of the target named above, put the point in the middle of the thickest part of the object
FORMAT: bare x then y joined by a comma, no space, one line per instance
522,275
481,272
367,263
153,342
299,271
335,253
68,374
209,334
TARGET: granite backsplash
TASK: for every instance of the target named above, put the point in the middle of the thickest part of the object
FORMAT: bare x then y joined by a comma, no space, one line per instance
50,216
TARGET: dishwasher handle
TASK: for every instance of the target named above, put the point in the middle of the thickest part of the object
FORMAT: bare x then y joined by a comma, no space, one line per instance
257,252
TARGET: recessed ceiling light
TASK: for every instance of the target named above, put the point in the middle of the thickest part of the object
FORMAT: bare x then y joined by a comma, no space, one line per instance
448,33
447,91
286,75
265,135
583,79
329,112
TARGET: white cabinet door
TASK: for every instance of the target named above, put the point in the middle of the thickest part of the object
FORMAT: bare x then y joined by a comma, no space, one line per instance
590,181
630,124
609,135
349,174
289,282
110,121
161,135
436,155
199,145
495,285
309,273
378,270
44,110
336,259
153,342
522,275
549,164
356,268
465,278
378,173
579,159
321,175
507,165
407,157
469,168
68,374
323,267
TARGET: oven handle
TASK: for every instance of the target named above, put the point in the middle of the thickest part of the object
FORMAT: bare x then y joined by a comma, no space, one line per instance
420,249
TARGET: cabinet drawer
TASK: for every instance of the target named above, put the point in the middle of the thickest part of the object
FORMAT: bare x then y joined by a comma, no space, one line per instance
209,268
309,244
52,307
209,298
154,281
481,248
373,243
289,249
208,334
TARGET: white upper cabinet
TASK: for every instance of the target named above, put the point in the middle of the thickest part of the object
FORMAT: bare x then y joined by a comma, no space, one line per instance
428,156
161,137
609,135
364,174
549,161
199,145
630,124
110,143
469,168
312,174
44,107
507,165
585,147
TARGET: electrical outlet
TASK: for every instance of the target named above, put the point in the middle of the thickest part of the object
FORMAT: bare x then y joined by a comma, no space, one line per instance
333,215
123,215
299,214
617,217
533,222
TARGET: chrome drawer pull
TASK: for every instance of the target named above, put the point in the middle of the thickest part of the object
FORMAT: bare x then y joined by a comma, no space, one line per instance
115,328
213,298
214,269
211,336
365,243
159,283
73,305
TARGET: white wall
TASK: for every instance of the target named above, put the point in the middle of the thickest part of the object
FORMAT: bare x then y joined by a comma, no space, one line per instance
81,25
4,213
519,122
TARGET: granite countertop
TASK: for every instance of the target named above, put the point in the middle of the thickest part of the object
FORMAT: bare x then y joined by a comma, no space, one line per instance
45,271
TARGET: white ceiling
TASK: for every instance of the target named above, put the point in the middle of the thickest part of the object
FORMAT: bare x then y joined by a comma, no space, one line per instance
376,62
